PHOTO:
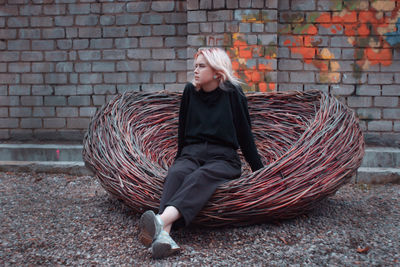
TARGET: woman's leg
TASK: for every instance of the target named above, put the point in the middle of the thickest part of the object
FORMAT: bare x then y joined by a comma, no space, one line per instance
151,225
164,245
169,216
199,186
174,179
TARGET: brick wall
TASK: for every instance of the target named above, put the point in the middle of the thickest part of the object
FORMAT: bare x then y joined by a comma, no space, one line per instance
61,60
350,49
248,31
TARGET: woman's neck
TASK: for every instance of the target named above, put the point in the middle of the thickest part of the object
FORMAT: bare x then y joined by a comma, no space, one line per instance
211,86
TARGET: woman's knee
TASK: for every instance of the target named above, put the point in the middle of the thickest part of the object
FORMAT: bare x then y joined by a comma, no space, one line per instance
180,169
175,174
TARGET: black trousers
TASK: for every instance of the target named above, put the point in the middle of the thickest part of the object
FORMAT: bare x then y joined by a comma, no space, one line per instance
195,176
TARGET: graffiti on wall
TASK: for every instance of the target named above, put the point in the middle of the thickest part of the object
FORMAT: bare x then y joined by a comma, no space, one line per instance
253,61
371,28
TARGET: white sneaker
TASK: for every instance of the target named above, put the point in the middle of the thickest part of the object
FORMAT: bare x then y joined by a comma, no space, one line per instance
164,246
150,226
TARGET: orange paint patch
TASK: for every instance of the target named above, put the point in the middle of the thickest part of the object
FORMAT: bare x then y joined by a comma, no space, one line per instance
312,30
350,30
298,41
235,65
363,30
308,53
245,52
265,67
367,16
321,64
378,55
324,18
348,17
256,76
336,28
248,73
238,43
263,87
241,53
272,86
308,41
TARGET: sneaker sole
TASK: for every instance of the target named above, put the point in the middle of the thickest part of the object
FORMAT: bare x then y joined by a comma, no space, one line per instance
147,229
162,250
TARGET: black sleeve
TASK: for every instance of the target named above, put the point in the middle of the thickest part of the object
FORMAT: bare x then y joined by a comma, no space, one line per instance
182,120
243,130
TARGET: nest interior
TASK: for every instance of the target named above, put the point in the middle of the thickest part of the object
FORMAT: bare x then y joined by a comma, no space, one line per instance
310,145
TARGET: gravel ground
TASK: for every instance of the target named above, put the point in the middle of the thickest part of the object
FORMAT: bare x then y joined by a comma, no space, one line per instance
67,220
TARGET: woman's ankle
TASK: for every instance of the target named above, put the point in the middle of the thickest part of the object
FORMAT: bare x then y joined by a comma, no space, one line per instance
167,228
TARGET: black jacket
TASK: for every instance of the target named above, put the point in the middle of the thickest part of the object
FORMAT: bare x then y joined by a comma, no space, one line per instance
221,117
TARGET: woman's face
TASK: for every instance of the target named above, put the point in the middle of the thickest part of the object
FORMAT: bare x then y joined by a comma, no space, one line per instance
203,73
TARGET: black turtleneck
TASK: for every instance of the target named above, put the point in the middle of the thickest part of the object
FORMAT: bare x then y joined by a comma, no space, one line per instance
219,117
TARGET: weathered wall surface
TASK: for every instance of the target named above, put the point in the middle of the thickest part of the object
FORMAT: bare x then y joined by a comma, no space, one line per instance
248,31
350,49
62,59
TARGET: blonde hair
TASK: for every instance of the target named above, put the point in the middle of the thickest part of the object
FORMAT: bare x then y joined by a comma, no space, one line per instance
220,62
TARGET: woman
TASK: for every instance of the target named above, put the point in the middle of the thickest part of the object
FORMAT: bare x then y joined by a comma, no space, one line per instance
213,123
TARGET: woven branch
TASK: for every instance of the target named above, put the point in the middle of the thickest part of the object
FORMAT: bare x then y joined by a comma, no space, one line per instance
310,145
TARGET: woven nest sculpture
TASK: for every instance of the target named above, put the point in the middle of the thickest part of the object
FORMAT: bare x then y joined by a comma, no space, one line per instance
310,144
